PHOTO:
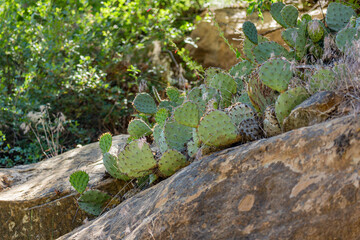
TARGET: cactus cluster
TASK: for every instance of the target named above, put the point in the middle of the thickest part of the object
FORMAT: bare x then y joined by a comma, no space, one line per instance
251,101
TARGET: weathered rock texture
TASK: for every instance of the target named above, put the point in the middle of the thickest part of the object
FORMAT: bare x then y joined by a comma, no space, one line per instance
303,184
37,200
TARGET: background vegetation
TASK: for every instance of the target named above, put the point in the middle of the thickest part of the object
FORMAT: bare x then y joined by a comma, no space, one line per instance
69,69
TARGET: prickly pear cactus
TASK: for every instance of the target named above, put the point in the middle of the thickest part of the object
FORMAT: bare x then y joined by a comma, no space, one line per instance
79,181
194,144
315,30
187,114
250,32
248,46
338,16
240,71
276,74
105,142
239,112
275,12
169,105
170,162
210,73
202,95
159,138
271,124
138,128
93,201
144,103
111,163
265,50
250,130
322,79
344,39
161,115
216,129
136,160
290,15
226,85
289,36
177,135
288,100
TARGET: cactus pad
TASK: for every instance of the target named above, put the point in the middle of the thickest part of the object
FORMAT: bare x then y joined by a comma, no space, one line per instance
177,135
344,38
276,74
173,94
138,128
264,51
250,130
248,46
322,79
289,36
159,138
288,100
92,201
315,30
161,116
216,129
168,105
105,142
250,32
194,144
290,15
275,12
239,112
271,124
170,162
338,15
111,164
79,181
210,73
226,85
187,114
239,72
144,103
137,160
202,95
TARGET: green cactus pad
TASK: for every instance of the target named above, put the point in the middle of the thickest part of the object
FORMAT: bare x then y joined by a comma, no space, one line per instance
169,105
111,164
250,130
344,38
226,85
173,94
210,73
250,32
276,74
136,160
306,18
144,103
264,51
338,16
271,124
187,114
170,162
161,116
159,138
105,142
79,180
323,79
138,128
202,95
194,144
240,71
289,36
315,30
216,129
93,201
287,101
239,112
177,135
290,15
248,46
275,12
259,94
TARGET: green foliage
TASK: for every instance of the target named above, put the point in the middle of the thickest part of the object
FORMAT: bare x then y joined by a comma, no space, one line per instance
105,142
86,59
79,181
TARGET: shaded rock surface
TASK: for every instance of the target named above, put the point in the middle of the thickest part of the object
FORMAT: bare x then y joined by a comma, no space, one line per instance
303,184
37,200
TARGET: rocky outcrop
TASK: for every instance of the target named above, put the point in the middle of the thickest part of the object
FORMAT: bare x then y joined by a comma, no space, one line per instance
37,200
303,184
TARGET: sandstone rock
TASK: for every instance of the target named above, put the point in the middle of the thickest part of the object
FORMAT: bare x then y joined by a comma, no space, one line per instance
37,200
303,184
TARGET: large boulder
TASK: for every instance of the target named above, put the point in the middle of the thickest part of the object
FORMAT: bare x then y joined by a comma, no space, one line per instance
37,200
303,184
